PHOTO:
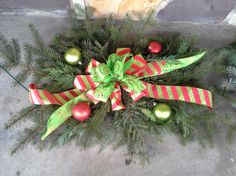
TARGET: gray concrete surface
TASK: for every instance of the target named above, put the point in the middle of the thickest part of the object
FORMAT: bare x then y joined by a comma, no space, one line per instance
33,4
197,11
169,158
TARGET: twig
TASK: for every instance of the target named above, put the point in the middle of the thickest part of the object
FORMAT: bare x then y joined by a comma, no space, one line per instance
14,78
21,117
24,141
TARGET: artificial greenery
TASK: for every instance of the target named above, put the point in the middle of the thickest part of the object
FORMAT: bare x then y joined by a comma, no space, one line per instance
97,39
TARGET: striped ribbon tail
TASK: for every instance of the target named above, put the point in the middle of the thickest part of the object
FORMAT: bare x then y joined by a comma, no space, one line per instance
178,93
43,97
84,82
116,103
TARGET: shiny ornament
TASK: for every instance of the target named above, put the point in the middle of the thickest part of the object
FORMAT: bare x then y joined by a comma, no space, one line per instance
73,56
81,111
162,112
154,47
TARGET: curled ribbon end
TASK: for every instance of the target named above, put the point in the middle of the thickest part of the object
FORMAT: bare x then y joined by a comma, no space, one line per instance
32,86
43,137
202,54
210,109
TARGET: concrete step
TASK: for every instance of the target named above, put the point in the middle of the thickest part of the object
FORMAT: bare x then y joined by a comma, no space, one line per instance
32,4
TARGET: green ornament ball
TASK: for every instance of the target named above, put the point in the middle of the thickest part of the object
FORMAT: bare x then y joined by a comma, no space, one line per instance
162,112
73,56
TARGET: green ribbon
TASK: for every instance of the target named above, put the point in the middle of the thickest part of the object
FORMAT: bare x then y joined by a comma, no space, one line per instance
112,72
63,113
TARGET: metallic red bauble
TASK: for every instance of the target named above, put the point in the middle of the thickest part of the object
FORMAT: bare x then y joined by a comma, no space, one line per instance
81,111
154,47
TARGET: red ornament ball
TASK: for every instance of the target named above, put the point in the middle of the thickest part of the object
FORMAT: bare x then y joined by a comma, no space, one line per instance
81,111
154,47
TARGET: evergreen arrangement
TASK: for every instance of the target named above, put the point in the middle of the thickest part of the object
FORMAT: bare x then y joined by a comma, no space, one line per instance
135,124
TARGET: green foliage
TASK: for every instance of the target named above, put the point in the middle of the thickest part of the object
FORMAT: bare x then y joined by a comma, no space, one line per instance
184,123
36,114
133,125
148,113
62,75
11,58
22,116
68,133
225,64
28,134
10,52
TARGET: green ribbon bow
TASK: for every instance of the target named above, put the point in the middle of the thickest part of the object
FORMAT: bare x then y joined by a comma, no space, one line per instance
113,72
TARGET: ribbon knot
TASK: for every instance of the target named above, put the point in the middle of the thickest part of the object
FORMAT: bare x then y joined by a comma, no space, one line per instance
112,75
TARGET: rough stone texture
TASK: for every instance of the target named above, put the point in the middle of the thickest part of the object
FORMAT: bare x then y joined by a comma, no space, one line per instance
167,158
197,11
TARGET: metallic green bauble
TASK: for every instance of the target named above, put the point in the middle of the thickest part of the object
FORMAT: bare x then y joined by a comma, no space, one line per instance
162,112
73,56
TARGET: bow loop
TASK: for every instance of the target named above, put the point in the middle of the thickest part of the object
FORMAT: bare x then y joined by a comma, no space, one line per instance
103,91
137,64
101,73
118,72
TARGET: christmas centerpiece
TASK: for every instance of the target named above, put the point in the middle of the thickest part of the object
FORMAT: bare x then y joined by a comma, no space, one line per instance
107,82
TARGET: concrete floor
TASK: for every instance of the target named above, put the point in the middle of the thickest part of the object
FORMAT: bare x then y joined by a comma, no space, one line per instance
169,158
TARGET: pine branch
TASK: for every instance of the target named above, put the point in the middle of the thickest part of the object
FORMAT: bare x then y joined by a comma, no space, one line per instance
24,139
228,84
61,75
232,59
94,126
10,52
22,116
184,123
100,114
230,124
146,21
68,134
38,39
